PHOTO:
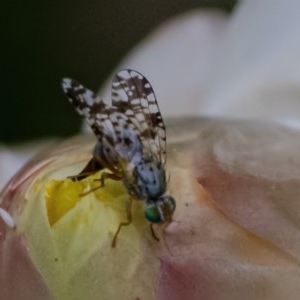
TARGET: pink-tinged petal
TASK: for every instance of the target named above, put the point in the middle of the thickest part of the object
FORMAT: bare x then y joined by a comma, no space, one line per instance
213,254
13,158
253,174
19,277
207,252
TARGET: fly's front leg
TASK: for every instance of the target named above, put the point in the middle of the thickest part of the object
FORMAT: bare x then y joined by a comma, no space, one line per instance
103,177
91,168
129,220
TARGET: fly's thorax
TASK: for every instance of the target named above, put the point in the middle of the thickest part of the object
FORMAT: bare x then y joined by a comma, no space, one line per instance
160,210
128,145
120,152
150,178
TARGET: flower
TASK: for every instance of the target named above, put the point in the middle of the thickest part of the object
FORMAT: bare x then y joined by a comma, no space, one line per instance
223,239
235,232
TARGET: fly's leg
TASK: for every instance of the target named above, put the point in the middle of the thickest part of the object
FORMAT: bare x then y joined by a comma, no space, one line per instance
103,177
153,232
129,220
91,168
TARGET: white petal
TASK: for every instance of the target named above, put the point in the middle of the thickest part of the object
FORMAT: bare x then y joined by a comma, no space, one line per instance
174,59
256,73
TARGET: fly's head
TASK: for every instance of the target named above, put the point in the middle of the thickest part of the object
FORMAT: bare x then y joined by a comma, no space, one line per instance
160,210
151,182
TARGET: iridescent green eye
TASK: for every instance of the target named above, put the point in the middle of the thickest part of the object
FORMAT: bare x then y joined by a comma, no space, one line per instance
160,210
152,214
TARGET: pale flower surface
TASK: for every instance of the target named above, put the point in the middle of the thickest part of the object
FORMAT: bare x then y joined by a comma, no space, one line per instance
234,234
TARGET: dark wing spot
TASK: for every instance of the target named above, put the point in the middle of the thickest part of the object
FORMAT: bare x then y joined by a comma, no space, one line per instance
127,141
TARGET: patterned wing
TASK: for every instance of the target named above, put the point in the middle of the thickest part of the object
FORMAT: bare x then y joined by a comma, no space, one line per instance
92,108
133,96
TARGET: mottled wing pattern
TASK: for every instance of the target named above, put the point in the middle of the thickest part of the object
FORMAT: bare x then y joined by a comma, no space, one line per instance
133,96
92,108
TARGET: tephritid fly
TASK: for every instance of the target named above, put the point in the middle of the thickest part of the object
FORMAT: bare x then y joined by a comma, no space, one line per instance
131,142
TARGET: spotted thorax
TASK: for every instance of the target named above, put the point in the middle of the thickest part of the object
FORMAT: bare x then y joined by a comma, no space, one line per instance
131,142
